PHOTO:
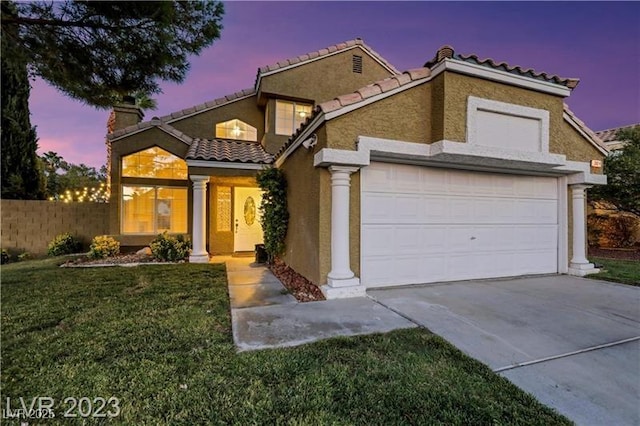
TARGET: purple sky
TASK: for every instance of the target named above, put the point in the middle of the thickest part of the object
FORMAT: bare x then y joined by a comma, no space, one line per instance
596,42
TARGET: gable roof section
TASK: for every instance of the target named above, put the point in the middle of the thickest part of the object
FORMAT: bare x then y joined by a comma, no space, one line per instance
584,130
228,150
361,97
154,123
448,52
319,54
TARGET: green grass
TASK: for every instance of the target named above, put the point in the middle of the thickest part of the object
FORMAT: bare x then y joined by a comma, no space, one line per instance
620,271
159,339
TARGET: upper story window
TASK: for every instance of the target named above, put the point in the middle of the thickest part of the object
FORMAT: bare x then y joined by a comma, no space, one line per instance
236,129
290,115
155,163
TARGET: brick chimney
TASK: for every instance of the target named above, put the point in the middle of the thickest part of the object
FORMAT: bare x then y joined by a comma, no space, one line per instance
124,114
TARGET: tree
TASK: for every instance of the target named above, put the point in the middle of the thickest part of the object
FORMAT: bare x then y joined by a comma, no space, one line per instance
98,52
21,175
95,52
72,182
623,174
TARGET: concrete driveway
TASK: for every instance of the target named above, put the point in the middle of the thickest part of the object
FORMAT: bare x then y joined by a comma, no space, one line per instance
574,343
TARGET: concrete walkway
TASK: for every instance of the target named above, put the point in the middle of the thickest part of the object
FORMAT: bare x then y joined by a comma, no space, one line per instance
264,314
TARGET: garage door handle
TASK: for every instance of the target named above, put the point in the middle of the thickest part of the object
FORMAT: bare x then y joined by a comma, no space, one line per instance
473,238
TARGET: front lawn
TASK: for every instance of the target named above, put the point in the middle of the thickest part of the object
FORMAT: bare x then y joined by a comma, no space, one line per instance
620,271
158,338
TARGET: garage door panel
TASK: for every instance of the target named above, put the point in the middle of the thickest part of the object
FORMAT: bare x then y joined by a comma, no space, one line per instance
377,208
453,225
378,239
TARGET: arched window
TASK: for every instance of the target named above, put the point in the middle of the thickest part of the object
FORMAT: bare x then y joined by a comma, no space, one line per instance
154,163
236,129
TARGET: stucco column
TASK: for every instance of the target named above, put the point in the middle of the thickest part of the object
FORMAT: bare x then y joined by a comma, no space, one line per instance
199,252
579,264
341,281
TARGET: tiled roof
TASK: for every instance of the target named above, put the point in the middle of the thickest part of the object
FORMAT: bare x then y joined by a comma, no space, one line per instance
585,128
324,52
208,105
228,150
611,135
155,122
366,92
447,52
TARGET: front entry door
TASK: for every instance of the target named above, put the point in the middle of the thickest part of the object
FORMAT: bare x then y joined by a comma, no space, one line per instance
247,227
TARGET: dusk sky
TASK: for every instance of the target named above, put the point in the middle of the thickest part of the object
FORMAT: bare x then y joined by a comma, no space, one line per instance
596,42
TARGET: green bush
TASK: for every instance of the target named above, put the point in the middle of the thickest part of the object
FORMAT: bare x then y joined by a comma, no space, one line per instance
103,246
63,244
5,257
168,248
275,216
24,256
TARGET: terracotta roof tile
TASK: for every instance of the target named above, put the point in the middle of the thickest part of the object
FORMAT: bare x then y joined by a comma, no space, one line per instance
228,150
388,84
447,52
207,105
359,95
370,90
348,99
611,135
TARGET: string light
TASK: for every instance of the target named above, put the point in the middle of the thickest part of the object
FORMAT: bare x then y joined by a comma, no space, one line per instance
87,194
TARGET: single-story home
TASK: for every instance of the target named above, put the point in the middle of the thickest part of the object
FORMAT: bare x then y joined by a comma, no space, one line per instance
465,168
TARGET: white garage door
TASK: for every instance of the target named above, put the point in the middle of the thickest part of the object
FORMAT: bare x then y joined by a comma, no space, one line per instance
424,224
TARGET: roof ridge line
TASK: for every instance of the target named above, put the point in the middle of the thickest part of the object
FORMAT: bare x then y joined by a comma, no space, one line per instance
300,59
448,52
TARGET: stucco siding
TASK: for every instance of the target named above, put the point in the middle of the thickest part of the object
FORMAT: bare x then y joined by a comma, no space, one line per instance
575,147
324,79
404,116
563,139
203,125
304,204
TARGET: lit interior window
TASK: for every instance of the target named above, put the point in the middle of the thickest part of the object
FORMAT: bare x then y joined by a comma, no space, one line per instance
155,163
236,129
290,115
153,209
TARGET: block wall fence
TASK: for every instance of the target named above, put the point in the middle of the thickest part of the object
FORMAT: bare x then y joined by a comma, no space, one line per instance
30,225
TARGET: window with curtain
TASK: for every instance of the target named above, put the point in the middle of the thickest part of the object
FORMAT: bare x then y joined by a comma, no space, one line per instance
153,209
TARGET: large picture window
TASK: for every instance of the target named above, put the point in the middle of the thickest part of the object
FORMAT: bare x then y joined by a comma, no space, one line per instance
236,129
290,115
153,209
154,163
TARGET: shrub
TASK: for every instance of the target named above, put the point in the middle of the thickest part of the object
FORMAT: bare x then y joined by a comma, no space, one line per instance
103,246
168,248
275,217
24,256
63,244
4,257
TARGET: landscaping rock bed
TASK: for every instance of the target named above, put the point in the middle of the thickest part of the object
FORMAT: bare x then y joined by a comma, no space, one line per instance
301,288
